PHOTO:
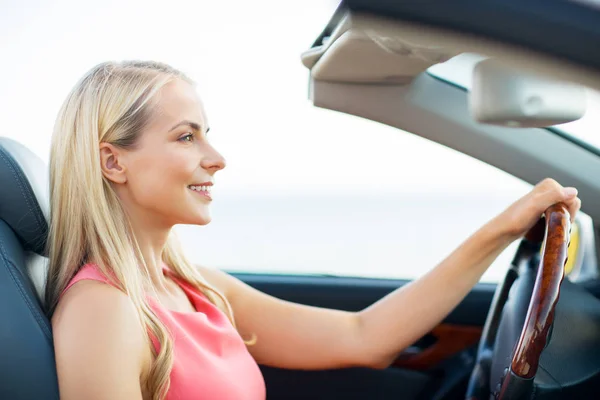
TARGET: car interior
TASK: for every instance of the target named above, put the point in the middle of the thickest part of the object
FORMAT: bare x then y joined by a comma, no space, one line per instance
397,72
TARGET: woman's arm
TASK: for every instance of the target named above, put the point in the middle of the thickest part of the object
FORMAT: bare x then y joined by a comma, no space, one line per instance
302,337
98,342
409,313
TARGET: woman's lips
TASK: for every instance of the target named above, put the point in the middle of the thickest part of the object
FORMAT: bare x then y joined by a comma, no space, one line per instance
202,190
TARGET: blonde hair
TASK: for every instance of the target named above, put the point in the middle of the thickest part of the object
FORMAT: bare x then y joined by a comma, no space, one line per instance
112,103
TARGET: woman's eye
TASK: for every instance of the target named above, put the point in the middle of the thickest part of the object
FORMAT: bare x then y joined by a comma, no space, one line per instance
187,138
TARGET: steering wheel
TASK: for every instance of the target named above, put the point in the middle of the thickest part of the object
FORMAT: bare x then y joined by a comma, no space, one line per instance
551,233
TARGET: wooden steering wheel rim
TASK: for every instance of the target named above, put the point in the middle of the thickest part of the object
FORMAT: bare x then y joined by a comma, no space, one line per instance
540,314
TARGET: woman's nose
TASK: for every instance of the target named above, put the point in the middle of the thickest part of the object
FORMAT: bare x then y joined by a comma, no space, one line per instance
212,160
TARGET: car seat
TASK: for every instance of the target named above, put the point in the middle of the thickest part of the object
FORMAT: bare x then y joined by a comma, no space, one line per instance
27,366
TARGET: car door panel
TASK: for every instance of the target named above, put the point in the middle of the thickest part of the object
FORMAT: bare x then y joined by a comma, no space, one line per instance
438,363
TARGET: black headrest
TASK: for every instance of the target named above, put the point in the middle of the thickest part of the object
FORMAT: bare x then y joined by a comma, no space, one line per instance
24,194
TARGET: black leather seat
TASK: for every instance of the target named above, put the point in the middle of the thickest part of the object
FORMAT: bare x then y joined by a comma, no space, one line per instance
27,367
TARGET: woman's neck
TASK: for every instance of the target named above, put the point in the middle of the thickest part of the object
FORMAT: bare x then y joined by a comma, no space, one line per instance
152,241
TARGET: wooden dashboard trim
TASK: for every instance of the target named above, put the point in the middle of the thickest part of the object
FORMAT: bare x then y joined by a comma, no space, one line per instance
450,339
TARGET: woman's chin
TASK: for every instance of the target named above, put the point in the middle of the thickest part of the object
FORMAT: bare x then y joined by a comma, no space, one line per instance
203,219
193,215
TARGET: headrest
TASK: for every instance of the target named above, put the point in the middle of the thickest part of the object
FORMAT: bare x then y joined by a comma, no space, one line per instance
24,194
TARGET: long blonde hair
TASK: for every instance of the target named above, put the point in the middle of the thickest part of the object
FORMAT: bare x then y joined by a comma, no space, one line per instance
112,103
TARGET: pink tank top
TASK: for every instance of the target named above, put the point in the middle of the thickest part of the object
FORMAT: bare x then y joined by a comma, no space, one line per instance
211,361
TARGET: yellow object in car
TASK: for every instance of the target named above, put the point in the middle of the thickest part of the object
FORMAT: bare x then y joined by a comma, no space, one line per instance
572,252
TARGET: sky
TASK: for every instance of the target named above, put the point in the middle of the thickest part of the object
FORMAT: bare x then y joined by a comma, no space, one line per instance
245,57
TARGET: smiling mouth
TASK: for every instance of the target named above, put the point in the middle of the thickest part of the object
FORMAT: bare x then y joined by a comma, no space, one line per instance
202,190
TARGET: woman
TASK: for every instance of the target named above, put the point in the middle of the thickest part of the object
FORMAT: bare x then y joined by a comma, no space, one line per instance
133,319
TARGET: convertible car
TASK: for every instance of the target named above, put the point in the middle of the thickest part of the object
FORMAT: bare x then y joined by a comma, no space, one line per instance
513,84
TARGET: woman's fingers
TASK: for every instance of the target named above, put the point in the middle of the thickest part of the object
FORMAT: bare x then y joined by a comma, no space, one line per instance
524,213
568,197
574,206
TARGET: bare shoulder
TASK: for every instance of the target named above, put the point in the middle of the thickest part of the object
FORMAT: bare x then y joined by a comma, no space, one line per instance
91,296
220,280
100,348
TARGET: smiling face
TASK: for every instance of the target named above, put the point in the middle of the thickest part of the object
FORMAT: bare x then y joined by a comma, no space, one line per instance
167,176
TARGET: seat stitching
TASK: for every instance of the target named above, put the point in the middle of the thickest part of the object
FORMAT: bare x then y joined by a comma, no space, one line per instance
24,187
9,163
27,190
21,289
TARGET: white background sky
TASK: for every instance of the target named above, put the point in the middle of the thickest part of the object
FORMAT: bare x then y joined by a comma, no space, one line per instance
245,57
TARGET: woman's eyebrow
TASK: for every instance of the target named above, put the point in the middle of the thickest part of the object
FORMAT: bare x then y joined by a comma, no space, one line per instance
191,124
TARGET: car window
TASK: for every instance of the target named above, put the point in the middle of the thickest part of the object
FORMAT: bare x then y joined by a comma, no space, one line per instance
306,190
340,195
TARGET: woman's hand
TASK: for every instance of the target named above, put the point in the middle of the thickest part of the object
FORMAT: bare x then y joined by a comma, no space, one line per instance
525,212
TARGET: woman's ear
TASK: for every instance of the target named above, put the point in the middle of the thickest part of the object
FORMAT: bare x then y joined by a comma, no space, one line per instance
111,163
